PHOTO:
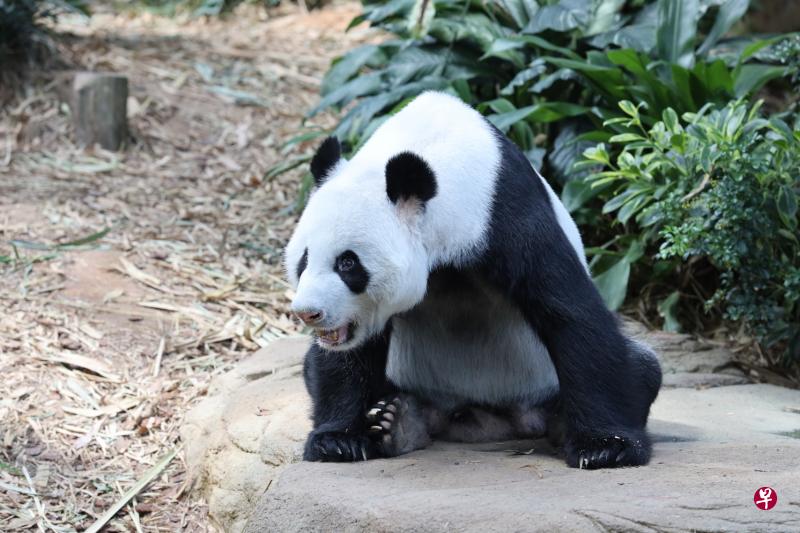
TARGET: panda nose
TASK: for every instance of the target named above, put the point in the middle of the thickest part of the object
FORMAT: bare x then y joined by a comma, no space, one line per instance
309,317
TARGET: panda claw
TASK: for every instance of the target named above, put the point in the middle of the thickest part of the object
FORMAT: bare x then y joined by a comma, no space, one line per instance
621,456
375,429
374,412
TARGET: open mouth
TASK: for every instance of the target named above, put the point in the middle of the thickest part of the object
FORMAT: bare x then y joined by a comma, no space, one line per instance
335,337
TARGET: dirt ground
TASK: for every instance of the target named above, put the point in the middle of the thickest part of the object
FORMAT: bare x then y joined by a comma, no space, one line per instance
106,339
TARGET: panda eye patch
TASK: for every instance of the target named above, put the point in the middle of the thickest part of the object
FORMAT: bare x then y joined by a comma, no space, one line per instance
352,272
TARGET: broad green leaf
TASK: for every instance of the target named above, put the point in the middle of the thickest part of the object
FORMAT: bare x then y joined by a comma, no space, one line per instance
629,109
729,13
344,94
567,149
635,251
613,283
605,16
668,310
419,20
639,37
536,69
677,31
544,112
576,193
625,138
753,48
521,11
787,206
562,74
360,117
348,65
379,12
750,78
670,118
516,42
564,16
301,138
498,105
631,207
610,81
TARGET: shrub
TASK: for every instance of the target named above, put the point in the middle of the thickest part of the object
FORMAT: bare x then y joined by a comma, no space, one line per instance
718,188
561,76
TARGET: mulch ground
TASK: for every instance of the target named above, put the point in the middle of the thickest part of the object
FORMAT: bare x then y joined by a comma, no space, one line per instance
129,280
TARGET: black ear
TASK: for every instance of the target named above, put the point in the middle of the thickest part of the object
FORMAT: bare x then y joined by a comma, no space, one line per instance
409,176
328,154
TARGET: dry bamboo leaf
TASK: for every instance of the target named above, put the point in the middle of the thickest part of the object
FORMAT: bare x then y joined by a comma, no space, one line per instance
149,476
105,410
137,274
99,367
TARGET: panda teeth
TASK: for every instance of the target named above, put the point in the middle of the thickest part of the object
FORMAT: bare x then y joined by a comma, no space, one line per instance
330,335
334,336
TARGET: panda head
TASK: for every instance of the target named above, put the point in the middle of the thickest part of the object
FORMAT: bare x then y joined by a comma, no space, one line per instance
356,257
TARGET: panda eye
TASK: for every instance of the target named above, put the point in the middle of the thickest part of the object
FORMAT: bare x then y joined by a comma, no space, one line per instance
345,264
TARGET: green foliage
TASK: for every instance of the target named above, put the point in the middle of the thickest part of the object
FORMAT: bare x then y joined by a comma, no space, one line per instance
719,187
515,57
20,24
596,92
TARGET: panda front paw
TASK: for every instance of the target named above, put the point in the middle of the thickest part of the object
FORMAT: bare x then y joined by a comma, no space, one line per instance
616,449
398,425
336,446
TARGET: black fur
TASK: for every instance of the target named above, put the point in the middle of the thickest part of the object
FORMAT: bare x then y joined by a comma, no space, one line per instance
328,154
343,385
302,264
352,272
409,176
606,387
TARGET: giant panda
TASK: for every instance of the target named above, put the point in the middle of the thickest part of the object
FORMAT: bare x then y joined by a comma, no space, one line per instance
449,296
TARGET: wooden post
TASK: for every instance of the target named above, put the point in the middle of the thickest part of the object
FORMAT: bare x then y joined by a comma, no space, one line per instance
99,109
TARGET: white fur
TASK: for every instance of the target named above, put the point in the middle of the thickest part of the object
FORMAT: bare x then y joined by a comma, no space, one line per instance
351,210
468,347
568,225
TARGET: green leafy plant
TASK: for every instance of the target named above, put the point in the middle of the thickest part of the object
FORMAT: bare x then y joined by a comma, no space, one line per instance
715,189
516,59
580,86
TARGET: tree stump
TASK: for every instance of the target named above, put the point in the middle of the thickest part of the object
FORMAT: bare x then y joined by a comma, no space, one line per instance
99,109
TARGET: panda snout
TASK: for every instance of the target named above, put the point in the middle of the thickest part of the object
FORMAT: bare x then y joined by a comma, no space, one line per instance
310,317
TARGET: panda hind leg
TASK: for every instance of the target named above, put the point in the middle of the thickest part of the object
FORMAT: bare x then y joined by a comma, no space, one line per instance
401,423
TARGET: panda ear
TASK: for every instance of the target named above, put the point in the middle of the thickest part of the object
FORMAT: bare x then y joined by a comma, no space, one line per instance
408,176
328,154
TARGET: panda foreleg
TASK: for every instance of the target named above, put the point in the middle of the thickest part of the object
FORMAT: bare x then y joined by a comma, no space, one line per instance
342,385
